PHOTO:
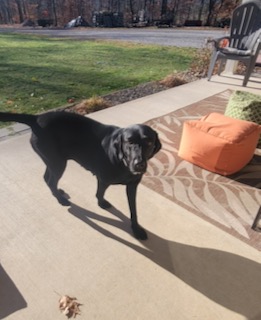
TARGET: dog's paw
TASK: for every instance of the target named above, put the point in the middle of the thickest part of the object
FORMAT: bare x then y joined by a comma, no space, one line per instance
64,202
139,232
64,194
63,198
104,204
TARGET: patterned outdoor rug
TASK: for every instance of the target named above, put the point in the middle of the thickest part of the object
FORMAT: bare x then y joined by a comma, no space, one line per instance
230,203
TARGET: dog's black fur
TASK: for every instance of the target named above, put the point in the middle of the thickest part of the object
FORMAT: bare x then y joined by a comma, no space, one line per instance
115,155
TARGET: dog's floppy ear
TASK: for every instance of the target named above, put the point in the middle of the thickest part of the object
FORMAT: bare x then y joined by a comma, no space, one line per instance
157,145
117,145
112,144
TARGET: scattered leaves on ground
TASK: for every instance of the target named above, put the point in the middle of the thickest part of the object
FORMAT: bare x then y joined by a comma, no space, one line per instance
91,105
69,306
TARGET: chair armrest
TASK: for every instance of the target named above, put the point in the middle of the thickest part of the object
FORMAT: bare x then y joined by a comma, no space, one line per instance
258,45
216,42
258,52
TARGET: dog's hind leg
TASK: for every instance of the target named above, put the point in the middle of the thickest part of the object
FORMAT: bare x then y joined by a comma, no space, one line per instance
55,166
52,176
104,204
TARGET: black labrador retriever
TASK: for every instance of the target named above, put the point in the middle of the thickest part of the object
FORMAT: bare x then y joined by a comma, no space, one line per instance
115,155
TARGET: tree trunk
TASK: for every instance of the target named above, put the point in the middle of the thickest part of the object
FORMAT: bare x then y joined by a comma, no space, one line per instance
210,12
5,13
202,3
164,5
54,12
131,8
175,12
20,11
80,7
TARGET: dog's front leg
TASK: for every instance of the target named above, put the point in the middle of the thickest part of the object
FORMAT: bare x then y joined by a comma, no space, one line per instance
138,231
104,204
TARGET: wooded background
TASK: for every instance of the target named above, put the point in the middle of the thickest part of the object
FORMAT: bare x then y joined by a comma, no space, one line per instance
127,12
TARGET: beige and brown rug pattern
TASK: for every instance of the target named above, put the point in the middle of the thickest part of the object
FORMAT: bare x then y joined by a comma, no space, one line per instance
231,203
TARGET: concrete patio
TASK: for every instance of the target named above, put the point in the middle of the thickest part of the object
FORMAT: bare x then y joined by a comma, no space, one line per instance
187,269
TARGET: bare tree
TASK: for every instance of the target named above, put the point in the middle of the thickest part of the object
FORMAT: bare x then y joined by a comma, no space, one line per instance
6,15
20,10
61,11
54,12
201,8
164,5
211,7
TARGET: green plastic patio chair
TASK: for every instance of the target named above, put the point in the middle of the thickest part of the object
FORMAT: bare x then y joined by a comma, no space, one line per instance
244,42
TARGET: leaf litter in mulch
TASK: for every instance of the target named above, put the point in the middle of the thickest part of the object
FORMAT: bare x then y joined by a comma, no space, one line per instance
99,103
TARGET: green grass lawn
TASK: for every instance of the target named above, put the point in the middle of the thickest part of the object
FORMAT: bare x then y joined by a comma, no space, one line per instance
40,73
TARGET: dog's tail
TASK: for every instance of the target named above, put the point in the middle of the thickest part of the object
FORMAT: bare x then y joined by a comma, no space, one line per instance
28,119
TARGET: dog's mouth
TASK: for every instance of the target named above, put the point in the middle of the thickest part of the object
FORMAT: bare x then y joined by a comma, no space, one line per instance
136,167
136,173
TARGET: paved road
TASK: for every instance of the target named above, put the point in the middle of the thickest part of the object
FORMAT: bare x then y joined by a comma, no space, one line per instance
166,37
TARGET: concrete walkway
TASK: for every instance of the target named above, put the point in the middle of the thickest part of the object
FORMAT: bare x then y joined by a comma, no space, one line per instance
187,269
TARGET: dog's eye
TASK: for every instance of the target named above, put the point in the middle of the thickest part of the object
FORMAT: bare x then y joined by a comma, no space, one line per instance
148,143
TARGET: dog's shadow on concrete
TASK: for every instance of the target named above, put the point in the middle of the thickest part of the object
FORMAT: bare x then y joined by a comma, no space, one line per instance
226,278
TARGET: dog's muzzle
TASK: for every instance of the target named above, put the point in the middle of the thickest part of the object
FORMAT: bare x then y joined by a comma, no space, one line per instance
136,167
133,159
139,166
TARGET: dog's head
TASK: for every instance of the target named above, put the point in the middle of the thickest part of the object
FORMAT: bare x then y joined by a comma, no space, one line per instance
136,145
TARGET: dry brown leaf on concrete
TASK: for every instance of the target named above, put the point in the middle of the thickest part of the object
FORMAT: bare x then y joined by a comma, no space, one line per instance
69,306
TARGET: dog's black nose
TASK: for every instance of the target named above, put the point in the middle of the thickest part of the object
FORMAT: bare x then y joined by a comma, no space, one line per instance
140,166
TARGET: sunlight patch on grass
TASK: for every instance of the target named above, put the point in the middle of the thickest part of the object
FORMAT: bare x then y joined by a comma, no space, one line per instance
41,73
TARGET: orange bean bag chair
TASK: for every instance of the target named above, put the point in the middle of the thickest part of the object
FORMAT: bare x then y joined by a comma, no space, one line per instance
219,143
